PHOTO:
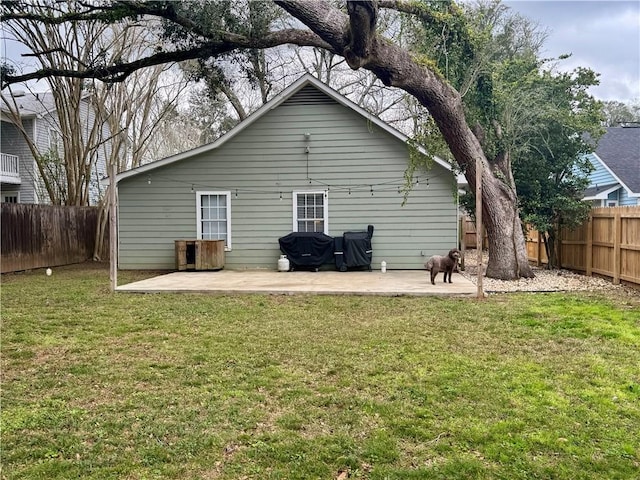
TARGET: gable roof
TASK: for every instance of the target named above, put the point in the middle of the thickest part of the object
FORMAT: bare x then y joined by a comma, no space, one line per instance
599,192
619,152
302,82
30,104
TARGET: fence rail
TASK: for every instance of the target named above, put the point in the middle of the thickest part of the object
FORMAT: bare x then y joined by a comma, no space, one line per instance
607,244
36,236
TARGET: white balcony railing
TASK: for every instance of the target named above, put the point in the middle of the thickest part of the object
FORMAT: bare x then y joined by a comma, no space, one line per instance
9,168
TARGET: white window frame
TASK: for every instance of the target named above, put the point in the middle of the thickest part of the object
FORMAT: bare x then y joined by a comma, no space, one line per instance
325,205
199,196
610,203
54,140
11,195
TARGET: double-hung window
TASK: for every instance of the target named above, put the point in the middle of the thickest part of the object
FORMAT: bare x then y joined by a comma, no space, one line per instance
214,216
310,212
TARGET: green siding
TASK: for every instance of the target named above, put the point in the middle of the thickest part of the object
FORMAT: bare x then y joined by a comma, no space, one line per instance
268,157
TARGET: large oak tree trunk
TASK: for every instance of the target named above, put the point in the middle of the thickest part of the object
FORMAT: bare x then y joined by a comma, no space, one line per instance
507,247
354,37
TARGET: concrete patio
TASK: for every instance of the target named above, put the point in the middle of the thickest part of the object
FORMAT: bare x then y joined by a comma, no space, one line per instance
390,283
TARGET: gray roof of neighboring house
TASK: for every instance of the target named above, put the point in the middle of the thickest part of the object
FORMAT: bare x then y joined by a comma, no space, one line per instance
31,104
619,149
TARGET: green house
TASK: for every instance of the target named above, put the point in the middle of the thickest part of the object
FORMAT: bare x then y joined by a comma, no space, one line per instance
309,160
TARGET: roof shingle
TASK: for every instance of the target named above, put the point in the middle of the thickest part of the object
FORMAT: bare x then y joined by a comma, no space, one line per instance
619,149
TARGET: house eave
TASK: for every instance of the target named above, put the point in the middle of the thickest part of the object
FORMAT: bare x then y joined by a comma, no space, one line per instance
604,194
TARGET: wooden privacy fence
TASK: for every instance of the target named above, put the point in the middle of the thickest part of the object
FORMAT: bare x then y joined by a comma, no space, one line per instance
36,236
468,233
608,244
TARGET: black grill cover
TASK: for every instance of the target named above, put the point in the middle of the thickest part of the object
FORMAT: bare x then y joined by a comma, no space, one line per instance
357,249
307,249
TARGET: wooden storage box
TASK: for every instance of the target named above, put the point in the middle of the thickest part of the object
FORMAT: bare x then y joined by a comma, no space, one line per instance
199,254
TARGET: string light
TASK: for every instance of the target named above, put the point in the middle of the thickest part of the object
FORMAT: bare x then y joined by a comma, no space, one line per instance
394,185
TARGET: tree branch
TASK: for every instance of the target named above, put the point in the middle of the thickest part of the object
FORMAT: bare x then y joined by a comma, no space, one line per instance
323,19
119,72
363,16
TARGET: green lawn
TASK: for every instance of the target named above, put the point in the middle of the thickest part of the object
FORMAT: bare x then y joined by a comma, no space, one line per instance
100,385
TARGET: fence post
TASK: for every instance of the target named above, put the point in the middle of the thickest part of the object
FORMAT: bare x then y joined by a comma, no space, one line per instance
589,250
479,227
558,245
617,236
113,235
538,252
463,236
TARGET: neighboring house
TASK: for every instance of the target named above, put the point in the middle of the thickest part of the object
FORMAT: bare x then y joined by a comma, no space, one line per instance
308,160
20,181
616,178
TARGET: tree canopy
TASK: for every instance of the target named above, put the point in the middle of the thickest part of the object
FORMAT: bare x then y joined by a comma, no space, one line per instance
453,73
551,173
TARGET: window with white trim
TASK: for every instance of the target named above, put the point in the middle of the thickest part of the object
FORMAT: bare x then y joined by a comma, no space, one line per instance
310,212
214,216
54,140
10,198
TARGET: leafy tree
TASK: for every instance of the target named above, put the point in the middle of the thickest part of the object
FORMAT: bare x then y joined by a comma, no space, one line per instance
350,33
617,113
552,169
533,122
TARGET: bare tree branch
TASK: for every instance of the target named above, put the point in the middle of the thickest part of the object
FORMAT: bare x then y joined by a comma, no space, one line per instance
119,72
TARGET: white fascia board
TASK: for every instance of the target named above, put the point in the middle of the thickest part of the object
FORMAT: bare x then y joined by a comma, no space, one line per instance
273,103
618,179
6,116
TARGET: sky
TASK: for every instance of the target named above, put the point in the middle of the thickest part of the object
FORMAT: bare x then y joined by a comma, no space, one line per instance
601,35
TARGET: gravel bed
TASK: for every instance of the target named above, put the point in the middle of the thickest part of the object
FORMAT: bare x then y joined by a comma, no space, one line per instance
545,281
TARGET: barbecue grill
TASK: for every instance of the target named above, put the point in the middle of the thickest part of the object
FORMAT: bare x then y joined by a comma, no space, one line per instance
307,250
354,249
